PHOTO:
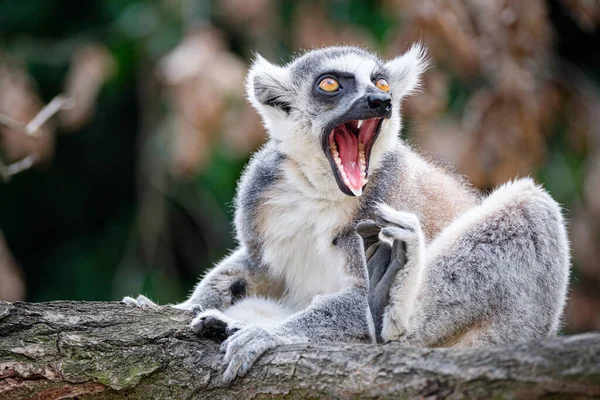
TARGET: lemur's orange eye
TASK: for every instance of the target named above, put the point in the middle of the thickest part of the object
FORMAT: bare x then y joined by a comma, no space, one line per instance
383,85
329,85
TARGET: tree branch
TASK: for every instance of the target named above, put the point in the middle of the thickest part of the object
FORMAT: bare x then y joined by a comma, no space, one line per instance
108,351
6,171
58,103
32,129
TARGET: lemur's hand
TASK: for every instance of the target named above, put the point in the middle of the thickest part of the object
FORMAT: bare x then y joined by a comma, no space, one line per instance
369,232
244,347
384,260
141,302
214,324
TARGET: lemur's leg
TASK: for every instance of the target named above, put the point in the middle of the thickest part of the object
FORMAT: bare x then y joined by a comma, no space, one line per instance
341,317
499,273
231,280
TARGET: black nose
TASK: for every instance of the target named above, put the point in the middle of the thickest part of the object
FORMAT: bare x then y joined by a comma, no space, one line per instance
379,102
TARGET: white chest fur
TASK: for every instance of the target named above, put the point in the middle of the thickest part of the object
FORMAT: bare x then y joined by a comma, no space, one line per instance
297,232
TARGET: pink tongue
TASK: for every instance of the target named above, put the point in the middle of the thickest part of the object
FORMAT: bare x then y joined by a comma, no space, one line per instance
348,149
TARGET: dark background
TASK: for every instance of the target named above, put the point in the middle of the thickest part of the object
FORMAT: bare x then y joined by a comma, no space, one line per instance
132,187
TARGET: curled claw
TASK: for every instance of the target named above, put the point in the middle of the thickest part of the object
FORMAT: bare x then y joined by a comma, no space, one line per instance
368,229
369,232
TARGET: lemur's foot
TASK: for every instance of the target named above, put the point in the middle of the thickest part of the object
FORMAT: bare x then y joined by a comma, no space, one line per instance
404,226
245,347
384,260
141,302
215,325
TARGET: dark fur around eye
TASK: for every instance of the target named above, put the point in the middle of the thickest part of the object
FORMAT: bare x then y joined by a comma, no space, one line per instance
345,80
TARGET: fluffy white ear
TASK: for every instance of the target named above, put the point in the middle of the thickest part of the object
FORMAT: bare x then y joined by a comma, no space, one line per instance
268,85
405,71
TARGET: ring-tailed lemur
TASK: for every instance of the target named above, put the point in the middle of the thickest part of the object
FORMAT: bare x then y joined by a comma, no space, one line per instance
442,266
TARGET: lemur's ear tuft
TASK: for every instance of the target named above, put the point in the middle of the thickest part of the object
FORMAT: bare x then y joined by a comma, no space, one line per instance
405,71
268,85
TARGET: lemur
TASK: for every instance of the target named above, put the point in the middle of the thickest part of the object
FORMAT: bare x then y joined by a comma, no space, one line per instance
347,234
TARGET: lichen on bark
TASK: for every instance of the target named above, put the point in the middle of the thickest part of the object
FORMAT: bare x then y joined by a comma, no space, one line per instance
92,350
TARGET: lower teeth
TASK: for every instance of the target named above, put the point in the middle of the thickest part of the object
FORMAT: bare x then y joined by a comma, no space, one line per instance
362,166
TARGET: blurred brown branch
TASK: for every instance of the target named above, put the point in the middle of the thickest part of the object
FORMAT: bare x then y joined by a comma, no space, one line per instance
26,144
32,129
58,103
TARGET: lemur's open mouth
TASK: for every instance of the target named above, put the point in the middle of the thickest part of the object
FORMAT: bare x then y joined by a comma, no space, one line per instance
350,145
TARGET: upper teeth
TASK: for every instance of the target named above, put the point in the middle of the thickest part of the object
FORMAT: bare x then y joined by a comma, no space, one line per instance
360,122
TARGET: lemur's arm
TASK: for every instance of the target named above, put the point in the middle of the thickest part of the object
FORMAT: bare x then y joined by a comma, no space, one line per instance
343,317
233,278
227,282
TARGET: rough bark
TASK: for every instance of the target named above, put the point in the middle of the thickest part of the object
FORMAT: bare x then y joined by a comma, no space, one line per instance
91,350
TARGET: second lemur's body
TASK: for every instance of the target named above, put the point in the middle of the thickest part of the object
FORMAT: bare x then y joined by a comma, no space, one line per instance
437,266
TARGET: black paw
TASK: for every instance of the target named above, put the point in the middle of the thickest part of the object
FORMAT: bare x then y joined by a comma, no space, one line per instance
384,263
369,232
212,327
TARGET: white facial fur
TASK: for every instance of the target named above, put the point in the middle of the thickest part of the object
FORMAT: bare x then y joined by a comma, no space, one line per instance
283,95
